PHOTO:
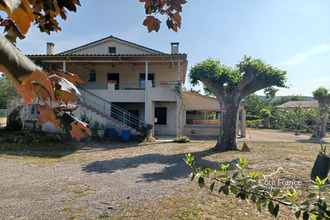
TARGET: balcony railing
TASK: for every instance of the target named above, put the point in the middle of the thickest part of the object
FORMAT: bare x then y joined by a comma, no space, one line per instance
130,86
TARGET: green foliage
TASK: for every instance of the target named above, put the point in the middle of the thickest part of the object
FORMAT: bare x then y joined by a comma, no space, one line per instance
321,93
7,90
256,104
298,118
247,187
270,92
264,73
254,123
265,113
212,69
182,139
85,118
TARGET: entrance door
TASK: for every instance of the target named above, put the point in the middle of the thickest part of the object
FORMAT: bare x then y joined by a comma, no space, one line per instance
161,115
114,78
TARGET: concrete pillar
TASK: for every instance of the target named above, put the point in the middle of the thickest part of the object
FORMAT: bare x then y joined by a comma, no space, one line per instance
146,101
148,108
180,117
179,71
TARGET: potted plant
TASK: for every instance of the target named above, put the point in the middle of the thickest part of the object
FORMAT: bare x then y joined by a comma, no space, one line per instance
321,165
145,129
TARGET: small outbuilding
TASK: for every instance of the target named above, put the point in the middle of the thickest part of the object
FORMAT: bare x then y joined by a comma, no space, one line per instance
201,115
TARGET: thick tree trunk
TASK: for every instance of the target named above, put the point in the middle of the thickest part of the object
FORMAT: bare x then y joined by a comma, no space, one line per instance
228,125
322,124
265,122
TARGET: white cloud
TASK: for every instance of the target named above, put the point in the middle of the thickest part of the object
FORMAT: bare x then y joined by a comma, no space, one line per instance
301,57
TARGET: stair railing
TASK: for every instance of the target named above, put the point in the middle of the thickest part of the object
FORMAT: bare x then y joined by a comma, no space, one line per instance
109,109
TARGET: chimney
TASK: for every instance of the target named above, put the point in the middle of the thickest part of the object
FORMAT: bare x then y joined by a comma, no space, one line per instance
50,48
174,47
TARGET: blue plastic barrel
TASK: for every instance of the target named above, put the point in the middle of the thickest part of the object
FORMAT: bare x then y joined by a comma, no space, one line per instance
125,134
111,133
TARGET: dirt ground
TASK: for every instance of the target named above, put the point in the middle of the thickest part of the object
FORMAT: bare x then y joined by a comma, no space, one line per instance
136,181
278,136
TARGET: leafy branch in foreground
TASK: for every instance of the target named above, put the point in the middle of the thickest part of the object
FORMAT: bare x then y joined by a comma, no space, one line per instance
247,187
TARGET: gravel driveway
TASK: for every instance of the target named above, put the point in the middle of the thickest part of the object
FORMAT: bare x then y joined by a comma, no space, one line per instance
88,187
98,181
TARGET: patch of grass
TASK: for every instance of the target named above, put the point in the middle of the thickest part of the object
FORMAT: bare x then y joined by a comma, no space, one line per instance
104,215
66,209
73,217
81,192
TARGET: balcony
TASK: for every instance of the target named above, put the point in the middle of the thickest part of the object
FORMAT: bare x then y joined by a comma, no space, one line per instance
135,92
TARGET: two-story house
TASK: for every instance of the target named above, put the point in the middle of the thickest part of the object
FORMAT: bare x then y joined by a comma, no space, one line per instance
125,83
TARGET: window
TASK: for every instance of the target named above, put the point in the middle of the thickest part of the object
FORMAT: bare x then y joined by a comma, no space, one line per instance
202,117
112,50
92,76
160,114
114,78
151,76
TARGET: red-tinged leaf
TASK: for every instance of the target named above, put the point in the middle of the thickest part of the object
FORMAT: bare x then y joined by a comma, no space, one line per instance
176,6
22,71
20,12
47,114
77,130
177,19
71,4
171,25
42,93
152,23
72,77
65,96
12,31
147,3
65,84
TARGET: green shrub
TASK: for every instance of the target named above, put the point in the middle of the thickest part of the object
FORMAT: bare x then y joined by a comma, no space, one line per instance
182,139
50,138
254,123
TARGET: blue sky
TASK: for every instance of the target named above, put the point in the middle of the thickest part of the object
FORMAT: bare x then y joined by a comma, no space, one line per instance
291,35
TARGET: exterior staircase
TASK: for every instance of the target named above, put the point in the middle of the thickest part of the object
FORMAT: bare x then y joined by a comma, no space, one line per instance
107,114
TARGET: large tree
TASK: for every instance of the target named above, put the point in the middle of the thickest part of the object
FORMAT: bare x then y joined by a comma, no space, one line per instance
230,86
322,96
